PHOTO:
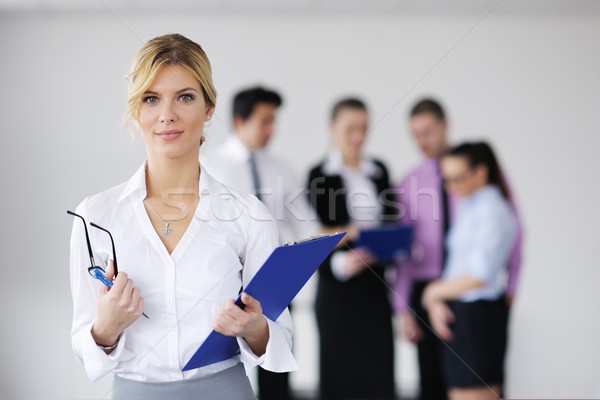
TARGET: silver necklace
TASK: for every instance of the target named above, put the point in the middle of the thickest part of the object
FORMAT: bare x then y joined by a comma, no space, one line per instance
166,230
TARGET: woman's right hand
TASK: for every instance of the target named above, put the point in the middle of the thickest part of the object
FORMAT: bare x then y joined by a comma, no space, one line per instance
357,260
117,308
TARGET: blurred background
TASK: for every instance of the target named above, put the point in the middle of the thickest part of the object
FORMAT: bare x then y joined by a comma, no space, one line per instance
522,74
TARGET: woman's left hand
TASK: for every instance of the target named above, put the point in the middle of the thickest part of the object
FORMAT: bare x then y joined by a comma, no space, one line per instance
248,323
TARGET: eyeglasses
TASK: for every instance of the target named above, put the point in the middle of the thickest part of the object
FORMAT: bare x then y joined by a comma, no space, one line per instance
457,180
94,270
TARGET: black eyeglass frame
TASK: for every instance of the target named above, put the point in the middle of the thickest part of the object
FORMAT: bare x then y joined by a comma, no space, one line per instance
93,267
89,246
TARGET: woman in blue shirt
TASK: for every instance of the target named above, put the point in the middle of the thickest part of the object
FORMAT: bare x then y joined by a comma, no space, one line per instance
467,306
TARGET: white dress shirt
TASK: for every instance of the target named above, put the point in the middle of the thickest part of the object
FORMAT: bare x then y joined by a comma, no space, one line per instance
225,244
279,189
480,242
362,200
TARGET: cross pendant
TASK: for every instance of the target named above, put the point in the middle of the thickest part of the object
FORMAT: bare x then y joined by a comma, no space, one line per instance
166,230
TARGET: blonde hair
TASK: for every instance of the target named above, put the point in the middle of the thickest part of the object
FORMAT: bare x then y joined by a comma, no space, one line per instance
161,51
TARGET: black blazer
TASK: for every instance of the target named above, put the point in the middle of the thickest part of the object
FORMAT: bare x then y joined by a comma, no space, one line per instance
327,196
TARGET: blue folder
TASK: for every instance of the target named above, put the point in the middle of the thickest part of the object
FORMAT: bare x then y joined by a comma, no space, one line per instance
388,243
275,285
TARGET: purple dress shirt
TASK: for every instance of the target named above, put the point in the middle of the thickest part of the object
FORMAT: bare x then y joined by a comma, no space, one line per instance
421,205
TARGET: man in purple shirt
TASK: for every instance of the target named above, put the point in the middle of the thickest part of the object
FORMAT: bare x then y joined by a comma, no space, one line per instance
426,205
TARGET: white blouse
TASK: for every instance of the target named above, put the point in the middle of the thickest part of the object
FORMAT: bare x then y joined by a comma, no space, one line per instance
362,198
227,241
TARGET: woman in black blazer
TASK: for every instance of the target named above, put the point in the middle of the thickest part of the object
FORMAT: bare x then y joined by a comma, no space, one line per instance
350,192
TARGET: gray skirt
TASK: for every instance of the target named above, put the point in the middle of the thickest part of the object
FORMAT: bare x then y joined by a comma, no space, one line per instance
229,384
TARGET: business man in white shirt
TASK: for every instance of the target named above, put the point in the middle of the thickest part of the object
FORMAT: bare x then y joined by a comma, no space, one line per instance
243,163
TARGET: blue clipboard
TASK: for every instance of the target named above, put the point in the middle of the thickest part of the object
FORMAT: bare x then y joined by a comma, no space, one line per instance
387,243
275,285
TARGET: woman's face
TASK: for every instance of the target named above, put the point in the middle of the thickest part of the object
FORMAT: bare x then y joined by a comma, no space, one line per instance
459,178
349,131
172,113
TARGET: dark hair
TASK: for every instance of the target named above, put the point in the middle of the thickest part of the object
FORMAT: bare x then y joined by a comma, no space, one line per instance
246,100
347,103
428,106
481,153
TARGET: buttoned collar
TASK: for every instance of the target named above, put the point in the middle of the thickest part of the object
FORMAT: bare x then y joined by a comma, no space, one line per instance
136,186
236,148
334,165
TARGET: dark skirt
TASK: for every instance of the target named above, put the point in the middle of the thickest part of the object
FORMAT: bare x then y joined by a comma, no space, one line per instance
356,339
475,357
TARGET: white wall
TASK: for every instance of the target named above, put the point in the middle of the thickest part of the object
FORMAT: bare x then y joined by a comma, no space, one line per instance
530,84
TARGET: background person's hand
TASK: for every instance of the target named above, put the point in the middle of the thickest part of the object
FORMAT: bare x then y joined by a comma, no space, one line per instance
352,232
408,327
357,260
510,299
441,317
430,294
117,308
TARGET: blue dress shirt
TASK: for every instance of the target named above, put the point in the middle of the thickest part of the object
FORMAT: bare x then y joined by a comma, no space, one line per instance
480,241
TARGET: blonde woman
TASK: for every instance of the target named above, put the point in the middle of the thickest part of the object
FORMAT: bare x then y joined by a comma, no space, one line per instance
186,245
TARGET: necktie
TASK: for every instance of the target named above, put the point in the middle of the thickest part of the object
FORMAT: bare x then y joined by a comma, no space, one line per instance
445,218
255,176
